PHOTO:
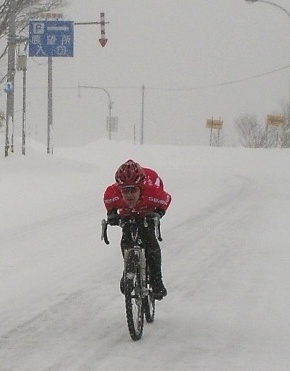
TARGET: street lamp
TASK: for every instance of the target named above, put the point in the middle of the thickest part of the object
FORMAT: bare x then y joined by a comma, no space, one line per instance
109,123
270,3
288,14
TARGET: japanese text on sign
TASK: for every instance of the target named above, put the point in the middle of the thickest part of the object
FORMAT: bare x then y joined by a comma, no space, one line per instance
51,38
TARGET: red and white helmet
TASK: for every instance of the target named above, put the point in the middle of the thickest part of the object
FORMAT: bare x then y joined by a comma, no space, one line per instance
130,174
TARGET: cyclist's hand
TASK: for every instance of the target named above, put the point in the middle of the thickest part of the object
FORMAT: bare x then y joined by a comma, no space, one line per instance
160,212
155,216
113,219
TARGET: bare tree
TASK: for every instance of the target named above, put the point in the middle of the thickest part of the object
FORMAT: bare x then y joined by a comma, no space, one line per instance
253,135
25,10
285,139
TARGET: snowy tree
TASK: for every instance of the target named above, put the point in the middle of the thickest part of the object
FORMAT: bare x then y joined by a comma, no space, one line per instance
253,134
25,10
285,139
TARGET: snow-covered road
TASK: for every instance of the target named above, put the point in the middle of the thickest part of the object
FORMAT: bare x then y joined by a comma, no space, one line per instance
225,262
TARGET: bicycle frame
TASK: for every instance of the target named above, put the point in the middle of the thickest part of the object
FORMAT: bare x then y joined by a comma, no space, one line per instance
140,252
137,289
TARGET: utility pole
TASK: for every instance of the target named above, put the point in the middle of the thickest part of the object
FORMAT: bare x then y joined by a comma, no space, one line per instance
10,74
24,110
22,66
49,106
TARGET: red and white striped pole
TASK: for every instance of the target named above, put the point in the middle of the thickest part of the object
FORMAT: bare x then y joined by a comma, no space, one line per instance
103,40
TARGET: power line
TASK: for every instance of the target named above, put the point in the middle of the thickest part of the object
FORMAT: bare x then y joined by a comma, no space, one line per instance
223,83
231,82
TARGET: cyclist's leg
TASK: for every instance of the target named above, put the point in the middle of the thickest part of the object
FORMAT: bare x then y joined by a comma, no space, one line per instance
154,258
126,243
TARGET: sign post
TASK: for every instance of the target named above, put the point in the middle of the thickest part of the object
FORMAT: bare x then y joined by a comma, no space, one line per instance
50,38
278,122
214,124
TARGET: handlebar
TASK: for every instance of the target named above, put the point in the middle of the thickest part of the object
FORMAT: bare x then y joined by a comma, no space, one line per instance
123,221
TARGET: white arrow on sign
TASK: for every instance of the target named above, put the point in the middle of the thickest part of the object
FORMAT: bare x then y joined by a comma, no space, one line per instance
57,28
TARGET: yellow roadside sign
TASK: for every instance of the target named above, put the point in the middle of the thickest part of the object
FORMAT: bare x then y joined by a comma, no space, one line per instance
214,124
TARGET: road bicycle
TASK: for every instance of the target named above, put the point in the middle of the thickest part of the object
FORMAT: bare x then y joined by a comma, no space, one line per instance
139,299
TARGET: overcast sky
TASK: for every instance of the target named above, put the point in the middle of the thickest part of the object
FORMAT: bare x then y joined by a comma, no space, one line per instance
188,54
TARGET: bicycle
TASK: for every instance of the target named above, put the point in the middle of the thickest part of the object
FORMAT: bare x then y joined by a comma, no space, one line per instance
139,299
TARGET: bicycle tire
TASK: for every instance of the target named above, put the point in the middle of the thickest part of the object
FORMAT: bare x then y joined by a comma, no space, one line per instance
149,301
133,296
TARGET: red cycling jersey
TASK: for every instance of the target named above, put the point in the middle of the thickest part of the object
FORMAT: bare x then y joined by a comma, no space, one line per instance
152,177
152,197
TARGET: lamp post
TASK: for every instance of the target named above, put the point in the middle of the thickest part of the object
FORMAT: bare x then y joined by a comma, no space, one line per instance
288,14
270,3
110,104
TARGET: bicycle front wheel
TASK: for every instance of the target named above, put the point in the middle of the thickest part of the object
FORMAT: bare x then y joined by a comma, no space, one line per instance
133,296
149,301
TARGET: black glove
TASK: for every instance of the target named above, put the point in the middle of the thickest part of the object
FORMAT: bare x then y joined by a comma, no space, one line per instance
160,212
113,218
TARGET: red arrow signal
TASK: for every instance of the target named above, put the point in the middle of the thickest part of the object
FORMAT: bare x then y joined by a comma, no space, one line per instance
103,41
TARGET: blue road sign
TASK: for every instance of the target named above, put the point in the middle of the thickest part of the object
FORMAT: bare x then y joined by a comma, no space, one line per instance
51,38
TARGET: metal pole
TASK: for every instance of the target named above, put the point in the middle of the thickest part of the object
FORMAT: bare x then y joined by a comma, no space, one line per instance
11,72
24,113
110,119
273,4
142,115
110,103
289,106
49,105
210,137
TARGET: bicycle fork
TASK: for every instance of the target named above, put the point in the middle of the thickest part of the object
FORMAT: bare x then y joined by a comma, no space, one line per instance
141,261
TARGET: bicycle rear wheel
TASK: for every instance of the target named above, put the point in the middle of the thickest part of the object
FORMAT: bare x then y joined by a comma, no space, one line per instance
133,296
149,301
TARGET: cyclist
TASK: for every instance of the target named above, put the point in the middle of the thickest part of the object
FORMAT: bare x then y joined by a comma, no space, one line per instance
137,192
